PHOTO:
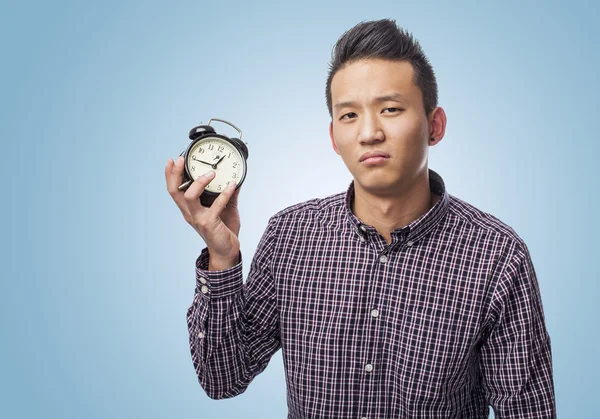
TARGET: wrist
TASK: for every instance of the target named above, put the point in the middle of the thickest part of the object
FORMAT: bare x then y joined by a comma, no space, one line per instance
220,263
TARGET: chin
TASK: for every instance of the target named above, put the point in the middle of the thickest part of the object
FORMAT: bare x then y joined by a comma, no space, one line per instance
377,186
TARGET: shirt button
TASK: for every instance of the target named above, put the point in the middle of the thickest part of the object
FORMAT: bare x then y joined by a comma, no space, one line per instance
374,312
383,258
203,280
361,238
363,228
368,368
201,335
409,243
204,289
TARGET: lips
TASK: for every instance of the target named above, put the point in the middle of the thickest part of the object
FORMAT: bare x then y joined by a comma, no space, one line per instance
373,154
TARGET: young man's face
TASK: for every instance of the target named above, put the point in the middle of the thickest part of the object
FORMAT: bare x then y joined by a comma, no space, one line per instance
378,109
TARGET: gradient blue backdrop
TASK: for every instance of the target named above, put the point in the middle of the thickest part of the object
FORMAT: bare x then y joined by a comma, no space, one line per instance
97,262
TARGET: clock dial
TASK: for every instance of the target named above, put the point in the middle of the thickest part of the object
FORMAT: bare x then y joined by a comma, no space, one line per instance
216,154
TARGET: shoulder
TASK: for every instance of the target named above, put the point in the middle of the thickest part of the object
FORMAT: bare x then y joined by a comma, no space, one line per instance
497,247
314,209
469,219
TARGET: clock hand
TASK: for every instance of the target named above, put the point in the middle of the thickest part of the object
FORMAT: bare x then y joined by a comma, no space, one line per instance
217,163
205,162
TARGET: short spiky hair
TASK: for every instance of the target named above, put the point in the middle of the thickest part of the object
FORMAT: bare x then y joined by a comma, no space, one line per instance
385,40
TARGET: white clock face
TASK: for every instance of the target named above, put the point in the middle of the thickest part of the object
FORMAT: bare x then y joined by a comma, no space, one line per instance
216,154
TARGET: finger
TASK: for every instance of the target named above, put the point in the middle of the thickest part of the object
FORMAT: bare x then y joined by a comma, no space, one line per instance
173,173
192,195
233,201
221,202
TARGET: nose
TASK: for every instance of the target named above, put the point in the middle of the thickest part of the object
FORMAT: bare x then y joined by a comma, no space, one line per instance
370,130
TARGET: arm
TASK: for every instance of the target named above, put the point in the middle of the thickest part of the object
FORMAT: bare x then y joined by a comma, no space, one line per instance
234,327
516,359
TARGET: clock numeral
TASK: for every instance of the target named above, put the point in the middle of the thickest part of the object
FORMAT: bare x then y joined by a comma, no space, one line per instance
220,148
234,175
229,155
211,147
219,188
234,164
200,150
193,168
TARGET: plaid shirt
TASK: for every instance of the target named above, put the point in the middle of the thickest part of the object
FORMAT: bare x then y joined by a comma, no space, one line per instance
441,323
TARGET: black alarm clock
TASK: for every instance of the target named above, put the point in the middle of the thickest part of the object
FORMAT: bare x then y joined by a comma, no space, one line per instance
211,151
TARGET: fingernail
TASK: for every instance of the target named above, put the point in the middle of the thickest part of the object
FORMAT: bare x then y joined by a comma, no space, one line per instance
180,160
210,174
231,184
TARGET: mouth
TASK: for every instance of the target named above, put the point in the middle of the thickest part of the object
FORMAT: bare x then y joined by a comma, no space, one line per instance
374,157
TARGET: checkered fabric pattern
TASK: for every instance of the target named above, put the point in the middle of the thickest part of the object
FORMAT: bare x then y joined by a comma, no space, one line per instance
443,322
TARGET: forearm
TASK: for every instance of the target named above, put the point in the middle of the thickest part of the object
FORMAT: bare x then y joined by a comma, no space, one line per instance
531,394
233,327
216,344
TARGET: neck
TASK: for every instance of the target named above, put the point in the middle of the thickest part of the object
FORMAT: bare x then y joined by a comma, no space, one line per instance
389,212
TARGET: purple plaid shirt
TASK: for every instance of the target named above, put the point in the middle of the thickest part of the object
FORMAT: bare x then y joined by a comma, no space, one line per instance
441,323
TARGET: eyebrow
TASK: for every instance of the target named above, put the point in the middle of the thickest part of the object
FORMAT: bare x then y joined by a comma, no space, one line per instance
392,97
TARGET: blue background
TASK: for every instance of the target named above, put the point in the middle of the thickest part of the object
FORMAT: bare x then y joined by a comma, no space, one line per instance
98,263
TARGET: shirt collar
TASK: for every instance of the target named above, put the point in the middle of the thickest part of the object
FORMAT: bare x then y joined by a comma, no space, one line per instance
418,228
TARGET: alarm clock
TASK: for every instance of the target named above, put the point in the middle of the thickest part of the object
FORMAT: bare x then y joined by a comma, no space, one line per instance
211,151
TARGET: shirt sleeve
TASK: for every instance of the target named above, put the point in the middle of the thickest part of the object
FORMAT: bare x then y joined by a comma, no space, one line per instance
234,326
516,359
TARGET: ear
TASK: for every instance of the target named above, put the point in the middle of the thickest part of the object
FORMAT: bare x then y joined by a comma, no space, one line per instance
437,125
332,139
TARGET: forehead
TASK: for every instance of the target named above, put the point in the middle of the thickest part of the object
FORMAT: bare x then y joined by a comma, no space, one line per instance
368,78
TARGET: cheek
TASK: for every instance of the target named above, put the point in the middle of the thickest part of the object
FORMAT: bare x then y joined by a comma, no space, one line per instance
409,125
411,130
343,139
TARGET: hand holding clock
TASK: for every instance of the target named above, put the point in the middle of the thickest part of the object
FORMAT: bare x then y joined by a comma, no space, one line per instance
218,225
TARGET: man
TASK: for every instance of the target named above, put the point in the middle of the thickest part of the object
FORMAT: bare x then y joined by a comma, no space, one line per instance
391,300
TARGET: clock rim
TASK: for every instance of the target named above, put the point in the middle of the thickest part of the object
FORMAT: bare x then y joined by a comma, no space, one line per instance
221,137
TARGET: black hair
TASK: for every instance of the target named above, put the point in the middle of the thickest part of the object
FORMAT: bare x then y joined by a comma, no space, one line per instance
385,40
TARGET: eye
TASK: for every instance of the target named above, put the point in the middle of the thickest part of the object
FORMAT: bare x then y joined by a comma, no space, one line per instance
349,115
392,109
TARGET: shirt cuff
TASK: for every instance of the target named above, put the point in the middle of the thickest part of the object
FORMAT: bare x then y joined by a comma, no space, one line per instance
218,284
